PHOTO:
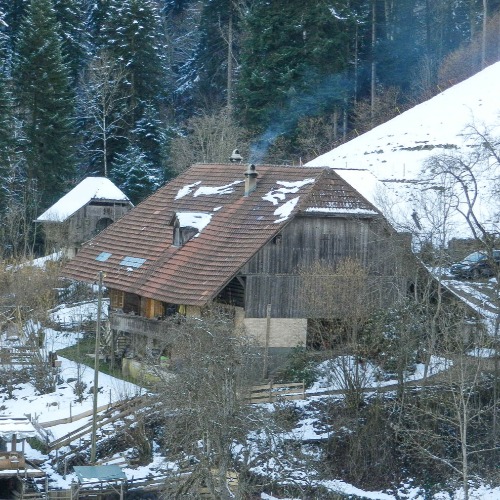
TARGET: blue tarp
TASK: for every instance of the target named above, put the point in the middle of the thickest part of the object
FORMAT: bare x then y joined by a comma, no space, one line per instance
95,473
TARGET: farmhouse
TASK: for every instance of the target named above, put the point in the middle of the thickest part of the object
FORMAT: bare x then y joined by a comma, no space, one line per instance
79,215
242,238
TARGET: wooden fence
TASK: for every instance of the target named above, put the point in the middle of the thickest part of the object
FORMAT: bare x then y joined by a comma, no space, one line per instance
268,393
123,409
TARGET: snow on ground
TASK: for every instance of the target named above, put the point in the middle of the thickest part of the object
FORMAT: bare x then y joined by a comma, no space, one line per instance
331,373
482,492
77,313
479,295
62,403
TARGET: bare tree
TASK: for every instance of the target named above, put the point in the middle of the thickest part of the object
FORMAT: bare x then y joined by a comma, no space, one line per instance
208,138
483,49
17,231
341,296
450,423
472,180
103,104
204,401
317,135
383,106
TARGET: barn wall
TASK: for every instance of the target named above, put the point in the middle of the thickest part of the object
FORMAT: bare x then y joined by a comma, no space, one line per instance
273,274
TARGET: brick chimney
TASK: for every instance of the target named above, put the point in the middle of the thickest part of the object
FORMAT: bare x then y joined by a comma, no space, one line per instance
250,179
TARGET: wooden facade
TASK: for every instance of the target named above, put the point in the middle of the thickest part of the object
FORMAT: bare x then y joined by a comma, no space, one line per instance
273,275
272,284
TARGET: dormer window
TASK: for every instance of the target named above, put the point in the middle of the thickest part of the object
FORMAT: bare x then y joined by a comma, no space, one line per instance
187,225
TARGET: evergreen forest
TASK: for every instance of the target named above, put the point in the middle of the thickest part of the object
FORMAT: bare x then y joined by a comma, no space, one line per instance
137,90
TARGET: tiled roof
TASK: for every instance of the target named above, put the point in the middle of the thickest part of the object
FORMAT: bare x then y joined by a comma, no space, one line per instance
137,255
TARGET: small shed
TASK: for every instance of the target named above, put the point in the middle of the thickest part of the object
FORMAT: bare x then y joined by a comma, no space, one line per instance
98,479
79,215
15,471
14,430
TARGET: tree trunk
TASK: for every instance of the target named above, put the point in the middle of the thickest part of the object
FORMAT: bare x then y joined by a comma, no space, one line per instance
373,73
230,62
483,38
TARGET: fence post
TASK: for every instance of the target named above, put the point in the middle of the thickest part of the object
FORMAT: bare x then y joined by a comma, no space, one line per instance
271,391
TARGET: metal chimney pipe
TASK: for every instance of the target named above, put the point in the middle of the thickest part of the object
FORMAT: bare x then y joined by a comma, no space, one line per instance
250,179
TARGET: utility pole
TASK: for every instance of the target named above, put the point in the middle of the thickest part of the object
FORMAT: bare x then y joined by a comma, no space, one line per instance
96,366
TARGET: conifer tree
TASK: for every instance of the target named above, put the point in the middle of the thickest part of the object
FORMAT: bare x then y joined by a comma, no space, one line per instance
287,51
6,126
75,40
205,74
134,174
131,35
45,101
12,12
150,135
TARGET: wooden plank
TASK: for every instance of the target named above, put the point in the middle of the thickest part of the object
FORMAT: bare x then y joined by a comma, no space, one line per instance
261,387
293,384
271,392
102,421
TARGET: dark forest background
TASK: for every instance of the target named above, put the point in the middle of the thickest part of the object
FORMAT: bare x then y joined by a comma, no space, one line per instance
137,90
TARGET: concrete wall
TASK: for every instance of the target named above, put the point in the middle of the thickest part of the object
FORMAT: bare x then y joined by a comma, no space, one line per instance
283,332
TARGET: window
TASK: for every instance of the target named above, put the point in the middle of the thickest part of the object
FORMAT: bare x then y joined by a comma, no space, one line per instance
134,262
103,256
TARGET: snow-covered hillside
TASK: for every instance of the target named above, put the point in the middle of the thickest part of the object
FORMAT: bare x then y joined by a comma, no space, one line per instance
390,164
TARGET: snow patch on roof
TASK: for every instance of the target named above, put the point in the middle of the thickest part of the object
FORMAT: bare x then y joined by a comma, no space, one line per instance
185,190
333,210
198,220
279,194
91,188
211,190
286,209
21,427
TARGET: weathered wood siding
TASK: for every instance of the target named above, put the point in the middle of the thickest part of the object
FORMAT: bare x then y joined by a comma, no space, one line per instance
84,224
273,274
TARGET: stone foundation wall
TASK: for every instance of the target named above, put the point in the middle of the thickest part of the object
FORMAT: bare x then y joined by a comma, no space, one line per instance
283,332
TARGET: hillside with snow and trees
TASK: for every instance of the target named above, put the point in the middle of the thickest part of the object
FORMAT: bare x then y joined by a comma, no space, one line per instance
400,99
